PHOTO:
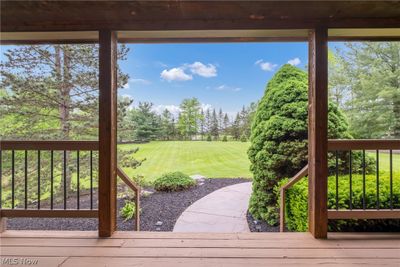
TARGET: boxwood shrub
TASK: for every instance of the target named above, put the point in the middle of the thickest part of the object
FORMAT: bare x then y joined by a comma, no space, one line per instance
297,202
174,181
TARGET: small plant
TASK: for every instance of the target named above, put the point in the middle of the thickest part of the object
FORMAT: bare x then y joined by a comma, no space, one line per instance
174,181
225,139
209,139
128,211
243,138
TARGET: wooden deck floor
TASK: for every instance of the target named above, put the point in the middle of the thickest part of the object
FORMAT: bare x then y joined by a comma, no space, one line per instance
77,249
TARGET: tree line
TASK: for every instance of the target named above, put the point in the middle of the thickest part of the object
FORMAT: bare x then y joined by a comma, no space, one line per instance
192,122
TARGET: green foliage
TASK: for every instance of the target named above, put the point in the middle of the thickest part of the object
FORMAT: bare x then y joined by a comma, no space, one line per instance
225,139
128,210
279,137
297,202
364,79
209,139
173,181
243,138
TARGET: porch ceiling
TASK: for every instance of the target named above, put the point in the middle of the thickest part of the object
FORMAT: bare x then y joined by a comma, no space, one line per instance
195,15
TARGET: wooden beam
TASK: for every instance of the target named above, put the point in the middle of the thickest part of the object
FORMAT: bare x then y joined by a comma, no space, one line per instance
19,16
49,213
318,132
364,214
107,132
49,145
370,144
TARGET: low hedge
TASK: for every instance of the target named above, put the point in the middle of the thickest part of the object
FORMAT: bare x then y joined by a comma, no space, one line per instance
173,181
296,215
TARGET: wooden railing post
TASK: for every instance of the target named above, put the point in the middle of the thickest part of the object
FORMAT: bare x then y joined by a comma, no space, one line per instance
318,132
107,132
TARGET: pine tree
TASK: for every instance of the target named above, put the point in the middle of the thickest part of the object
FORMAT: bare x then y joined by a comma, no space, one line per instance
214,125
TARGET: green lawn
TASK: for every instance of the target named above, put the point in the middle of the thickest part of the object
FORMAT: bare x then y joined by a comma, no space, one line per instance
211,159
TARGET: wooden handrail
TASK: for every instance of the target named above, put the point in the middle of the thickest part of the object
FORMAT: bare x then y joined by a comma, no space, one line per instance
49,145
136,188
363,144
302,173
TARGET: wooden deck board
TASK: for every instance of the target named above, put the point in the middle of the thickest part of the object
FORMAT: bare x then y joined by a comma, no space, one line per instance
72,248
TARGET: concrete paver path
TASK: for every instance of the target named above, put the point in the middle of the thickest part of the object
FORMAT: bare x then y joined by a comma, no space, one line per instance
223,210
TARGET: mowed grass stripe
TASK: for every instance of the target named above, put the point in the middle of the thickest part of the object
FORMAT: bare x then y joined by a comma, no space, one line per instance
211,159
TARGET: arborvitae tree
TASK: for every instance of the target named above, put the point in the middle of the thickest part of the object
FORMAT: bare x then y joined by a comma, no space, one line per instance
202,124
279,137
220,121
226,124
214,125
235,128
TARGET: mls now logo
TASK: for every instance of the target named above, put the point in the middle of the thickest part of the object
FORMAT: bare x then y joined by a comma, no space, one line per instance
18,261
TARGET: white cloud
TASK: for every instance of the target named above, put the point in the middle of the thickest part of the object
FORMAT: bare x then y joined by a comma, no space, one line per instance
126,86
204,107
266,66
294,62
140,81
225,87
172,108
203,70
175,74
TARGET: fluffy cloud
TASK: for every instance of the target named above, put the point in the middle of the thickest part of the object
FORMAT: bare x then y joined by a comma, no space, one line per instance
175,74
203,70
295,61
196,68
266,66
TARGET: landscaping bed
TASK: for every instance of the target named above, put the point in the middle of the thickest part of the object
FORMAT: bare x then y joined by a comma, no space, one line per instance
158,206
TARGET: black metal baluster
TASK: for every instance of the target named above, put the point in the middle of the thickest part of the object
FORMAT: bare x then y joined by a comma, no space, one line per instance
77,179
65,179
51,179
391,178
91,179
363,174
38,189
351,179
26,179
337,180
1,179
12,179
377,179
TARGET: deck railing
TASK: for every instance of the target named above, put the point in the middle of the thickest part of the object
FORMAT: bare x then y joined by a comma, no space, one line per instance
36,178
344,153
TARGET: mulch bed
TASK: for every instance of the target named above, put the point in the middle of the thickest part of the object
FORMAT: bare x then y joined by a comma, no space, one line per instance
260,225
159,206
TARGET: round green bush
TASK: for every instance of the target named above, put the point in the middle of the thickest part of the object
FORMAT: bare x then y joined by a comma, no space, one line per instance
279,137
243,138
174,181
224,139
209,139
296,202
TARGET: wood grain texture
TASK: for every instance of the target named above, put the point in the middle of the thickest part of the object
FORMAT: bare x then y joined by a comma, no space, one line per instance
346,145
73,248
195,15
107,132
49,145
49,213
318,132
364,214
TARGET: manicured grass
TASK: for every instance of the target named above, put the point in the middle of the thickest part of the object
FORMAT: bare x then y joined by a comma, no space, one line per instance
210,159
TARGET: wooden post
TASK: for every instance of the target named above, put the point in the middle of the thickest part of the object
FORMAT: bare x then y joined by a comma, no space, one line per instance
107,132
318,132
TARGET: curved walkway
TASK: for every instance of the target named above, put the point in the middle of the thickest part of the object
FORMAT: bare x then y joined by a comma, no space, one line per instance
223,210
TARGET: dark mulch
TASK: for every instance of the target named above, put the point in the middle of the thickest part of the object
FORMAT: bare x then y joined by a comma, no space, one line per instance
260,225
159,206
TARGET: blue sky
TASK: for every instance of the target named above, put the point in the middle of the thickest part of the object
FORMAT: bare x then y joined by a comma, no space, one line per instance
225,76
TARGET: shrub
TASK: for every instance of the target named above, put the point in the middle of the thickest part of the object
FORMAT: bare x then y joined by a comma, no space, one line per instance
174,181
128,210
209,139
243,138
224,139
296,212
279,137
